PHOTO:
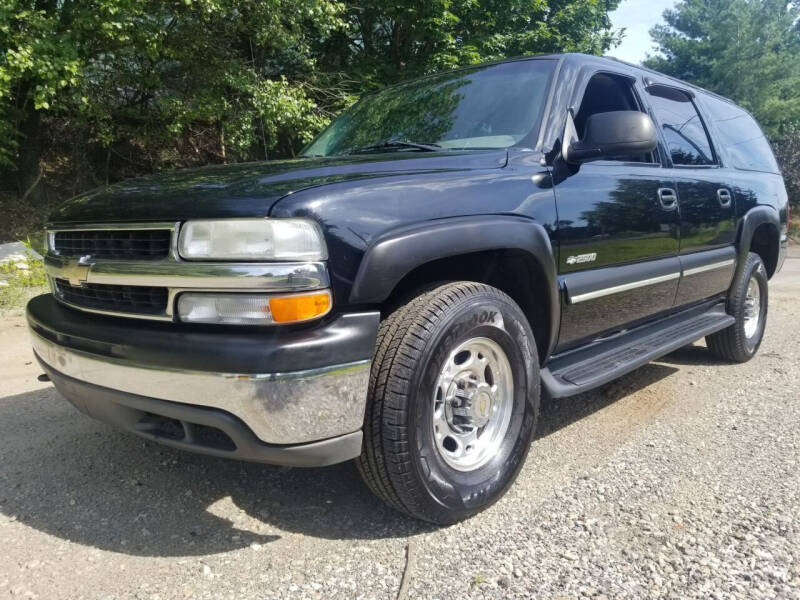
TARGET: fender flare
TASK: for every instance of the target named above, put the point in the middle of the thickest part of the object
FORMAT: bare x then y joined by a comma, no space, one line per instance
394,254
752,220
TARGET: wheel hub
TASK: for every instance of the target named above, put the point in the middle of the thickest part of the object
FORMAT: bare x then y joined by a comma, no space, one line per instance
468,403
473,404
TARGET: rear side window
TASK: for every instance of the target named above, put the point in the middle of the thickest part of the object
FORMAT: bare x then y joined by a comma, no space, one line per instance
684,132
740,136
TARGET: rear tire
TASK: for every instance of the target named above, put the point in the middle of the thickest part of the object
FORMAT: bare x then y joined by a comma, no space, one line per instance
748,303
453,402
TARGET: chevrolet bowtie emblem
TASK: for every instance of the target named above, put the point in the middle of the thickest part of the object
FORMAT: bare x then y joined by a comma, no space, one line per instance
77,272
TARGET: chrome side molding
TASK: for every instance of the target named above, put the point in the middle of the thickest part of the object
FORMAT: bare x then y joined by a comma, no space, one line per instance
711,267
622,288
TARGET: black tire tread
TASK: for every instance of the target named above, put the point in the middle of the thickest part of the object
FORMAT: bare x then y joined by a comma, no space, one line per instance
385,463
730,344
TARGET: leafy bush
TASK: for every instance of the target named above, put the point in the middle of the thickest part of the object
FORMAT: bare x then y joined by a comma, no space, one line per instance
787,151
794,229
97,91
20,280
748,51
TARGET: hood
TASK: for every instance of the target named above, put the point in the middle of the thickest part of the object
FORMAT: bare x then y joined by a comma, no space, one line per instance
251,189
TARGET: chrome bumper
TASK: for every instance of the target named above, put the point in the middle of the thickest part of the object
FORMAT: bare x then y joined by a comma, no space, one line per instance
280,408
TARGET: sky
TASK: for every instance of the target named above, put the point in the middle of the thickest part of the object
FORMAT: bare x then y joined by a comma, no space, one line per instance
637,17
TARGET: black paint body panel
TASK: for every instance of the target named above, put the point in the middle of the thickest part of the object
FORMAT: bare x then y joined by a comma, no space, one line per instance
384,214
250,189
705,223
356,216
584,319
706,283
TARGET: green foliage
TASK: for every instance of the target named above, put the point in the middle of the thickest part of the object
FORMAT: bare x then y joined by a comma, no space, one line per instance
94,91
387,41
21,280
787,151
794,229
156,79
747,50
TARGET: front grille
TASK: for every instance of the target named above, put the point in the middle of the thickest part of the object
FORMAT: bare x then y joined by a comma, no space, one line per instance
138,244
137,299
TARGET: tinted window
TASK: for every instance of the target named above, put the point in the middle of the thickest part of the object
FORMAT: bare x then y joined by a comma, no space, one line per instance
608,93
487,107
740,136
684,132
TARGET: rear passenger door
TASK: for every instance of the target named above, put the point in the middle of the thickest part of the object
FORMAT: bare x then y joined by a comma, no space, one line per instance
705,195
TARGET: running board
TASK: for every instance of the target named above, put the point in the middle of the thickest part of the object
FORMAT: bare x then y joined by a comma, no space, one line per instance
586,368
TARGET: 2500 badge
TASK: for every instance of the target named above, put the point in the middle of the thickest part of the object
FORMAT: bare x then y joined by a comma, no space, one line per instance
582,258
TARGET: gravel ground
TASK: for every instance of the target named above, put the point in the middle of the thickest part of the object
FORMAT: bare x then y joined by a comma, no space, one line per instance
680,480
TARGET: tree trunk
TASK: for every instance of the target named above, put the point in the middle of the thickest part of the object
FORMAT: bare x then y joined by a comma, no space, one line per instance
29,180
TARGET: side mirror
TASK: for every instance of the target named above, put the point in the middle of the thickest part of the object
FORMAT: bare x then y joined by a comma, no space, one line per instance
618,133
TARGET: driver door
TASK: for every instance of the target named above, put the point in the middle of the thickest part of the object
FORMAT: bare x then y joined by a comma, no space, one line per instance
618,228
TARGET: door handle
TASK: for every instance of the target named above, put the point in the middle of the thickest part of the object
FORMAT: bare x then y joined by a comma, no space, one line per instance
724,197
667,198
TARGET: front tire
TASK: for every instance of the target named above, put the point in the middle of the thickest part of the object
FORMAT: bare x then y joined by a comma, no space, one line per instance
748,303
453,402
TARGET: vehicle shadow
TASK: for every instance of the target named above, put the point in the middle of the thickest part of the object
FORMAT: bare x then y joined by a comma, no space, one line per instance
74,478
80,480
557,413
693,355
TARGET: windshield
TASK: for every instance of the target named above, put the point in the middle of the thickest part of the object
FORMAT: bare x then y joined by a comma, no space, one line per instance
487,107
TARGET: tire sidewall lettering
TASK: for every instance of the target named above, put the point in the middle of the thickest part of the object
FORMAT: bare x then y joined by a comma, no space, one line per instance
481,319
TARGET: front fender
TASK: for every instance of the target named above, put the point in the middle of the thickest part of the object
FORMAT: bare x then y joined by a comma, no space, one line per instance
396,253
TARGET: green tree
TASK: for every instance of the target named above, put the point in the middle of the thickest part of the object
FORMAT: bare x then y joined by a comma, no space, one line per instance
156,83
747,50
388,41
787,151
94,91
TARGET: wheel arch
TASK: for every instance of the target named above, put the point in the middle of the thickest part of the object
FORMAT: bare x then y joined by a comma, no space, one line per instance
760,233
513,254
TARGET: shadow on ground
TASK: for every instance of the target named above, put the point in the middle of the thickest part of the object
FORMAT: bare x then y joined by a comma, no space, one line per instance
693,355
77,479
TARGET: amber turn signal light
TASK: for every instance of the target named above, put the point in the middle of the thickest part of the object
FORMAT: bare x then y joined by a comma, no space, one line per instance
252,309
299,307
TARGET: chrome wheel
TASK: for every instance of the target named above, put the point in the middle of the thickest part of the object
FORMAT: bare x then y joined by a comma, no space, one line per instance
473,402
752,308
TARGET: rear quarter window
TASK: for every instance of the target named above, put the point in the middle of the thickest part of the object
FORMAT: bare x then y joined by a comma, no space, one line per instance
740,137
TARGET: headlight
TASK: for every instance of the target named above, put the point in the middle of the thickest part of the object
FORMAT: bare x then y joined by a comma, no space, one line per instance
252,309
252,240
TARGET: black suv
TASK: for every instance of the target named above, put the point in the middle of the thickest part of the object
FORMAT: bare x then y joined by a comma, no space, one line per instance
448,250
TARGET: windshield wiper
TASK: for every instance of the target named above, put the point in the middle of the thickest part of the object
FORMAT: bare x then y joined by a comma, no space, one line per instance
388,145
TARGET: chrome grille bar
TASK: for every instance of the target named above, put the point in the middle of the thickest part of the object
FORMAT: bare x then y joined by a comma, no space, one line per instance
174,274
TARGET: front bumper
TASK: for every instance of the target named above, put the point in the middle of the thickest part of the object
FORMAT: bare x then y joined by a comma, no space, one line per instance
267,390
